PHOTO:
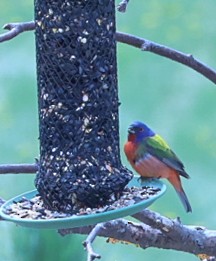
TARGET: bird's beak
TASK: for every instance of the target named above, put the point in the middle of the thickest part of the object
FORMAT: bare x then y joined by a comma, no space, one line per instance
131,130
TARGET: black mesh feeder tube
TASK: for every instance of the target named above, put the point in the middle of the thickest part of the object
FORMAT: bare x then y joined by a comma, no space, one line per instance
78,104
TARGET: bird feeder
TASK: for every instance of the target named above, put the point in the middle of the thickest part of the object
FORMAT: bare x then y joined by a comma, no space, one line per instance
78,103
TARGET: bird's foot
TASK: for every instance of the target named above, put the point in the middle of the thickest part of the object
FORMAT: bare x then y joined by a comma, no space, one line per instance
142,180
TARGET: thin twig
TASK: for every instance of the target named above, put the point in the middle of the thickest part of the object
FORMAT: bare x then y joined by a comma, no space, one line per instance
186,59
90,239
18,168
141,43
122,6
15,29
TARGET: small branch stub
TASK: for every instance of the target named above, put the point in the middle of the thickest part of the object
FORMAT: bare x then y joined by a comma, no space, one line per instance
15,29
122,6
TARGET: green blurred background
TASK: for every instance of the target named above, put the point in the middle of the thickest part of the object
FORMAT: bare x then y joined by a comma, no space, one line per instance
174,100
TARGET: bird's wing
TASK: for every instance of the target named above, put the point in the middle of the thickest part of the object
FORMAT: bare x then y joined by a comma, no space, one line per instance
157,147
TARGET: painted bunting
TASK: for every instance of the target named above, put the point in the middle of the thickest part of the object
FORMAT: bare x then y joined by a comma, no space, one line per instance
150,155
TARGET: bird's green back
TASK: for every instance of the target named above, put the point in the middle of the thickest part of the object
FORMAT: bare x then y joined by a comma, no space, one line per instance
157,147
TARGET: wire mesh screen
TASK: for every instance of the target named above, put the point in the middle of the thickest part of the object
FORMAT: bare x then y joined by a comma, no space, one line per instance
78,104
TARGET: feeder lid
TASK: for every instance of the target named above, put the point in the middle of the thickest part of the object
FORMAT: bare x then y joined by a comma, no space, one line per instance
84,220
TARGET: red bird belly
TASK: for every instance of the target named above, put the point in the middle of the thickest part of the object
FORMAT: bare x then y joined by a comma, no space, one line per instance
151,167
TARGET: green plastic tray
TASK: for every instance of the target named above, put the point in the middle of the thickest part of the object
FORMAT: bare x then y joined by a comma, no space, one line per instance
79,221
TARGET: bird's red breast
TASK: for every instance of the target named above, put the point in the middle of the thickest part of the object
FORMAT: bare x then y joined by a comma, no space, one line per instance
130,148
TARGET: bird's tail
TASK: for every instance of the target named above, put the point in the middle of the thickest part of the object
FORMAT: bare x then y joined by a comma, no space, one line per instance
184,200
176,182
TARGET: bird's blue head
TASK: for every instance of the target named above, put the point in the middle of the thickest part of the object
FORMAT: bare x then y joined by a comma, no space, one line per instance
138,131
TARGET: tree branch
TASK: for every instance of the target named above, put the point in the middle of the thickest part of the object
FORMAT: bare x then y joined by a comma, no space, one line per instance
186,59
15,29
195,237
167,234
18,168
141,43
90,239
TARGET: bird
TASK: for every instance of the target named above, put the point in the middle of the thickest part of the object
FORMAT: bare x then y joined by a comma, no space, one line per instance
151,157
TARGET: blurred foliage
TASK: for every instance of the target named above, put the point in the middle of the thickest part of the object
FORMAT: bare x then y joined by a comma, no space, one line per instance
174,100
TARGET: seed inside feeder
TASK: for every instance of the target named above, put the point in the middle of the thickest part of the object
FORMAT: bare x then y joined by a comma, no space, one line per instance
85,98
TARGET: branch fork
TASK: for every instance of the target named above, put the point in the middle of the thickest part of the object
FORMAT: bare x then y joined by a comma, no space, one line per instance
90,239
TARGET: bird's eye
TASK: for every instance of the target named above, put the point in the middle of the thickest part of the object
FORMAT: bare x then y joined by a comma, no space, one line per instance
141,129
